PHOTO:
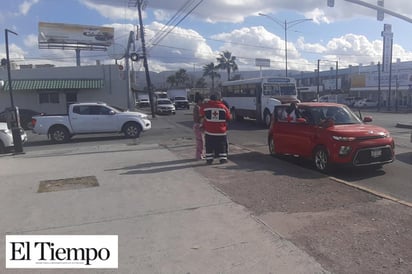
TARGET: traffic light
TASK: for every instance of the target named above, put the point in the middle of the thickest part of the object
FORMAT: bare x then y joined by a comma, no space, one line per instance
331,3
380,15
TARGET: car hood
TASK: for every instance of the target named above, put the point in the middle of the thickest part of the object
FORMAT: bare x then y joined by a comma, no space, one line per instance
358,130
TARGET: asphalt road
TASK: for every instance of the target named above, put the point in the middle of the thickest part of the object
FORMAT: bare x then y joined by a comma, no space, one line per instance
392,181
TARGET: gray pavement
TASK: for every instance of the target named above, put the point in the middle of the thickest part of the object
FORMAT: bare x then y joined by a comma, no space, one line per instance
168,217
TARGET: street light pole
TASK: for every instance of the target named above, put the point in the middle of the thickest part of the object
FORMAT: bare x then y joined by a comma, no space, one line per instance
15,129
286,25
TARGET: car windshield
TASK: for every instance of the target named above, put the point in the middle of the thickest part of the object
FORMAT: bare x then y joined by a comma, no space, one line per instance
118,109
339,114
164,102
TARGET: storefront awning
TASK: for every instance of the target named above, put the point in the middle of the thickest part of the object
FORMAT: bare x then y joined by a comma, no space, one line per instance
54,84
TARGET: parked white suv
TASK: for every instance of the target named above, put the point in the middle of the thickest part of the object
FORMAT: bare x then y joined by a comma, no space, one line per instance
6,138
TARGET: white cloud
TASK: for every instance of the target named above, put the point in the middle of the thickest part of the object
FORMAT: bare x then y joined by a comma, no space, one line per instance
114,10
25,7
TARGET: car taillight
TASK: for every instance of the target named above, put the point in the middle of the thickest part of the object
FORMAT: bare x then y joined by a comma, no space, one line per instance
33,122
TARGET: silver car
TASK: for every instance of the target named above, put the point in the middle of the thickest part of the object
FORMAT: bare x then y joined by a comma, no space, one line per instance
165,106
6,138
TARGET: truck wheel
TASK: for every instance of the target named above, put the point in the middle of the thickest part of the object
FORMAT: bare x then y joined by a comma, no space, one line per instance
267,118
59,134
132,130
321,159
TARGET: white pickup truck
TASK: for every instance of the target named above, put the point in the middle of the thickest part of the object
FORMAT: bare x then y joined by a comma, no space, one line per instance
88,118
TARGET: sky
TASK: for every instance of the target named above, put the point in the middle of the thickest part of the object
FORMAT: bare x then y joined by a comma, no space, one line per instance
189,34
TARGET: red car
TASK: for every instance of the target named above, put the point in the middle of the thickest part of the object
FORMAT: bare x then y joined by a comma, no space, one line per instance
329,134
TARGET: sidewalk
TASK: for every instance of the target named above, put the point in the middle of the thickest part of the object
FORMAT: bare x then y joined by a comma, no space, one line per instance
168,217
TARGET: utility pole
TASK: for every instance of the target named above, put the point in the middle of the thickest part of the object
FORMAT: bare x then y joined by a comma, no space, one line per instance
145,64
336,78
15,129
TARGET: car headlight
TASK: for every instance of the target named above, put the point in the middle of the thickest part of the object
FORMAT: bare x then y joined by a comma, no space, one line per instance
6,131
385,134
343,138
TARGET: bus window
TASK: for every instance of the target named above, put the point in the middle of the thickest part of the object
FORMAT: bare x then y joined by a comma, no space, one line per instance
288,90
270,89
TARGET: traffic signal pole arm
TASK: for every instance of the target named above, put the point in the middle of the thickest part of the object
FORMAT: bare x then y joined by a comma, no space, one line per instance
375,7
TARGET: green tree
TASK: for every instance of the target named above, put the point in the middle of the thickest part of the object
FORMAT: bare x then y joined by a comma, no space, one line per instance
226,61
209,70
182,77
172,80
201,83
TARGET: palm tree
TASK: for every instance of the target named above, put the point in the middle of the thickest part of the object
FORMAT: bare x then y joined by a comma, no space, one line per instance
201,83
227,62
172,80
181,77
209,70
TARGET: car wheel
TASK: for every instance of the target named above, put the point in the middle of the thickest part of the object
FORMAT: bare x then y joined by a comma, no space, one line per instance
59,134
2,148
235,116
321,159
271,146
132,130
267,118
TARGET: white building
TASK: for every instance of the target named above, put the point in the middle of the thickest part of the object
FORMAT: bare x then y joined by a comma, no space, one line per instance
52,89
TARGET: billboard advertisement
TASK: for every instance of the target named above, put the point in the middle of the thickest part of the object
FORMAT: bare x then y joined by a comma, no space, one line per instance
58,35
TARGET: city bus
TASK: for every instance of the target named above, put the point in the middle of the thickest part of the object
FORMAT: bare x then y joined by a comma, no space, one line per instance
256,98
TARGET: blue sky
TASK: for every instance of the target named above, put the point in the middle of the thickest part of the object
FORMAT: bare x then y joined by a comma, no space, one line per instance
347,32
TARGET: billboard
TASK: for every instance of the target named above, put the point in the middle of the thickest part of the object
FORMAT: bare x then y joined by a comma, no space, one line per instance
68,36
260,62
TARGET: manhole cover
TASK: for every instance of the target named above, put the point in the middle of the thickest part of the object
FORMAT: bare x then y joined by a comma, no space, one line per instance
67,184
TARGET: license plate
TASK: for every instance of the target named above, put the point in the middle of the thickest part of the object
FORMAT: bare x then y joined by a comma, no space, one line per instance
376,153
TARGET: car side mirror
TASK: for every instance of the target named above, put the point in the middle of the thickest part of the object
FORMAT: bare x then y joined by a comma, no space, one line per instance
112,112
367,119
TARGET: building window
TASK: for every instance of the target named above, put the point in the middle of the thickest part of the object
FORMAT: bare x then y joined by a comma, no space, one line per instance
49,98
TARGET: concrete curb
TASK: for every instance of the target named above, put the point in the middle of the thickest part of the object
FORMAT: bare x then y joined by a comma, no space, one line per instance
400,125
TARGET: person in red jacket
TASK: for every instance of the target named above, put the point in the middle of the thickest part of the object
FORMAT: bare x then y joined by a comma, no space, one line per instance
215,116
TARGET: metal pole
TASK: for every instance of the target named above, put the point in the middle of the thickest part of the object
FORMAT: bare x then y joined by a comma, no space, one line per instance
285,26
390,77
15,130
317,92
77,57
379,86
286,49
336,84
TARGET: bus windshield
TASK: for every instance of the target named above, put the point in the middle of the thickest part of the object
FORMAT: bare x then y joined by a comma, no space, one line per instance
279,90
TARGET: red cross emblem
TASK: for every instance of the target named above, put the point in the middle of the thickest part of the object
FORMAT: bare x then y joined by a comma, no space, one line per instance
215,113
